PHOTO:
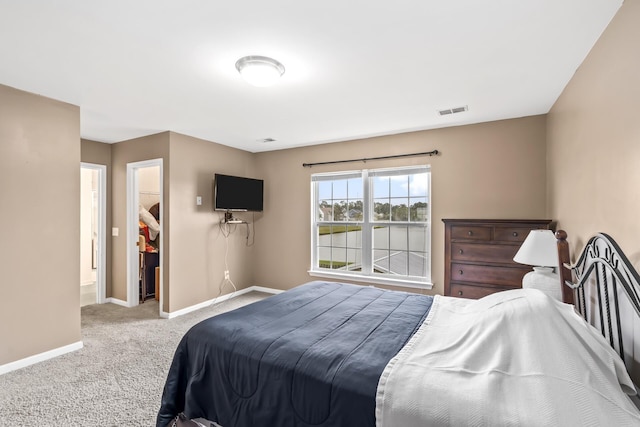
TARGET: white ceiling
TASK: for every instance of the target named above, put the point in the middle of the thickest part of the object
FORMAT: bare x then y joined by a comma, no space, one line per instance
354,68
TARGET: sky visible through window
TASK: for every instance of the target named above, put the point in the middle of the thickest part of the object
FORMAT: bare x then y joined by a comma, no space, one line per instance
414,185
395,198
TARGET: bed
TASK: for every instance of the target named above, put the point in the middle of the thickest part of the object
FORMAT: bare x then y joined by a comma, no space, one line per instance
334,354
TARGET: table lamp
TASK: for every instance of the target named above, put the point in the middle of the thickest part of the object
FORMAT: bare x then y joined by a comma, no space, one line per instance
539,249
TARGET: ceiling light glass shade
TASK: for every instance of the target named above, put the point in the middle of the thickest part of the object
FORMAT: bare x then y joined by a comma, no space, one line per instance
538,249
260,71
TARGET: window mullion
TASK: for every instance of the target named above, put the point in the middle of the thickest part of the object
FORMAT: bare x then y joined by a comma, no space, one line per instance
367,234
314,224
407,248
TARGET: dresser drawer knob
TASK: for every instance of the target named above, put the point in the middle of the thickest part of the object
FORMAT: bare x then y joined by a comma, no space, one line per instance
461,251
460,271
515,234
459,293
470,233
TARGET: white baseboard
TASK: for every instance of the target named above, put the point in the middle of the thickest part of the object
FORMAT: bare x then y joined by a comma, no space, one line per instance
41,357
18,364
221,298
117,301
266,290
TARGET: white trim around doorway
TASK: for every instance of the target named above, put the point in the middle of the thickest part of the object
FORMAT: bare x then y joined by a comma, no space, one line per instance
132,230
101,267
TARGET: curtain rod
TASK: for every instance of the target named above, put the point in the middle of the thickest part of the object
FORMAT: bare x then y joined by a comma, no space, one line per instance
365,159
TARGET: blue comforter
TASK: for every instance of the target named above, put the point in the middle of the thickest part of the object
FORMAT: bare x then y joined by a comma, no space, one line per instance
311,356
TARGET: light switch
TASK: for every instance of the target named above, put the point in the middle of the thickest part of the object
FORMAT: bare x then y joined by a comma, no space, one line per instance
115,231
198,200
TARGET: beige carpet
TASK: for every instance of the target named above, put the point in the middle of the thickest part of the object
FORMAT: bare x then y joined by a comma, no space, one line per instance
115,380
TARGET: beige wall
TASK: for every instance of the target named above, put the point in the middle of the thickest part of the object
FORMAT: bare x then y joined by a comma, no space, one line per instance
100,154
197,244
39,224
593,139
480,173
193,247
490,170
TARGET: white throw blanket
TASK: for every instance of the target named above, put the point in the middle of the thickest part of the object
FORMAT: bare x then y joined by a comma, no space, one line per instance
514,358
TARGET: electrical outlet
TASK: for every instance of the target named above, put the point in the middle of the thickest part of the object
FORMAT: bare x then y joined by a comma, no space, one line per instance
226,274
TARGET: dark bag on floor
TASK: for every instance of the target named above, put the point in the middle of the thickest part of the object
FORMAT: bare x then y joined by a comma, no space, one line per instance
182,421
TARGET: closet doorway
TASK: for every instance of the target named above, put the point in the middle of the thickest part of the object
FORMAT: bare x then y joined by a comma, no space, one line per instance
92,233
144,232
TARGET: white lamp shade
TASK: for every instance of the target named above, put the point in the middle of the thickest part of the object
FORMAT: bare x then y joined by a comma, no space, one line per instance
538,249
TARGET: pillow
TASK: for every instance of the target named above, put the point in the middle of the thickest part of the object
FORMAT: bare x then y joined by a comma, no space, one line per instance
147,218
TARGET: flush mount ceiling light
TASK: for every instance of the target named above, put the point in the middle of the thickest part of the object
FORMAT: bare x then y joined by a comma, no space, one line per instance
260,71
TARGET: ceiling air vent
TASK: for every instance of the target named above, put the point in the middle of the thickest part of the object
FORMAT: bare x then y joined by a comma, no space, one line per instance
448,111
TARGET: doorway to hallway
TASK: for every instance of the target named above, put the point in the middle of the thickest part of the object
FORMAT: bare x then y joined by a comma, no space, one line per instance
92,233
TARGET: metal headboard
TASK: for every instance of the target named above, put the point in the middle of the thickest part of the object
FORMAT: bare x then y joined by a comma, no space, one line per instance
598,280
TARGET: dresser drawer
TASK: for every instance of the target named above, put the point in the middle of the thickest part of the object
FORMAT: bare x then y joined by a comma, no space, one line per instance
482,252
473,292
484,274
472,232
511,234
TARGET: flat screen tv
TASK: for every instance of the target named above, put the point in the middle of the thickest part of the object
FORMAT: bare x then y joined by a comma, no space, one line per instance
235,193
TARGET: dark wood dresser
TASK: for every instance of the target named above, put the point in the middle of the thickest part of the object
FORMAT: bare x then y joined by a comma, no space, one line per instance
479,255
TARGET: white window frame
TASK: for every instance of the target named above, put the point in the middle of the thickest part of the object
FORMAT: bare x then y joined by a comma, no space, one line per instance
367,275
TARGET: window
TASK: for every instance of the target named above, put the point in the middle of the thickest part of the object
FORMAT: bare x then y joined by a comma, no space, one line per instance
372,225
